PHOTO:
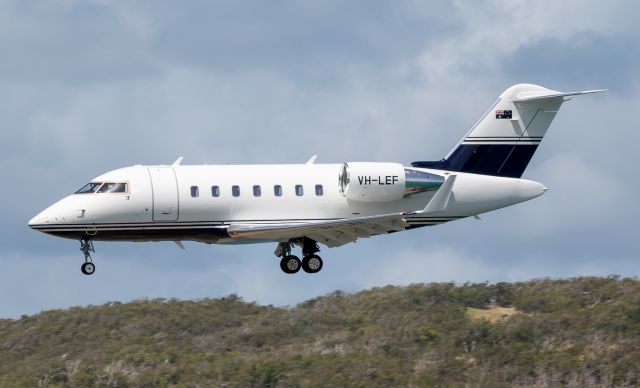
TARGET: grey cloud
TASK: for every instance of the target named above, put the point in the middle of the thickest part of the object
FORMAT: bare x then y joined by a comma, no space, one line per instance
91,86
594,61
69,42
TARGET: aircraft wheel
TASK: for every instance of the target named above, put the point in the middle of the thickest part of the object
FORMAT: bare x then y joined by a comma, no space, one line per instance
312,264
88,268
290,264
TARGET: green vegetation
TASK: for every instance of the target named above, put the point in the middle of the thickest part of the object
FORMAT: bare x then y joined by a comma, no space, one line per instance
576,332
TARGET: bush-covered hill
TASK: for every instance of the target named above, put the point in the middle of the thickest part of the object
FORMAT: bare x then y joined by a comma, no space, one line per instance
576,332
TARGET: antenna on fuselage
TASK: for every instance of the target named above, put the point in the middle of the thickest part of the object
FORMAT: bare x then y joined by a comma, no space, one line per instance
312,160
177,162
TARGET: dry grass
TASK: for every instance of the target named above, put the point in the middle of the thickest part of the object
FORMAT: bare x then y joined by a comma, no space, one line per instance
491,313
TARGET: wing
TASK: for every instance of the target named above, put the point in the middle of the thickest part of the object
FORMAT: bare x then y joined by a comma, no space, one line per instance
332,233
337,232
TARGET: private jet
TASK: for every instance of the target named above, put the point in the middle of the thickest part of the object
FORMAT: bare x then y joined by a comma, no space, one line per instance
308,205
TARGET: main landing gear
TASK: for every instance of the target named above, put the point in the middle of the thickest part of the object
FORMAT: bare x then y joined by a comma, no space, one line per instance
86,246
290,264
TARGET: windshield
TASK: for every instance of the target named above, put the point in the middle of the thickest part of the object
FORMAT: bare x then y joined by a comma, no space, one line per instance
89,188
101,187
113,188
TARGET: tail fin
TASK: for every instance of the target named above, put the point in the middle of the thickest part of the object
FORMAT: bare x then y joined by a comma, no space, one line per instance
505,138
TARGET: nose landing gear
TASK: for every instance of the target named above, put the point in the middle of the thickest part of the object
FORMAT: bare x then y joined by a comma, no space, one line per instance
86,246
290,264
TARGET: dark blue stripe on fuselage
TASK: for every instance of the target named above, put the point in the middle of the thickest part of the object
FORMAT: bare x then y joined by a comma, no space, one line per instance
148,234
508,160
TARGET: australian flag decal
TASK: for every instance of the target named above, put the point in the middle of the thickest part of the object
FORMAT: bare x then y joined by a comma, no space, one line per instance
503,114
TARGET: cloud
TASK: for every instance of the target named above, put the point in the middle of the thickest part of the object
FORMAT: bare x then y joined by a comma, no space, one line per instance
492,31
91,86
583,194
430,262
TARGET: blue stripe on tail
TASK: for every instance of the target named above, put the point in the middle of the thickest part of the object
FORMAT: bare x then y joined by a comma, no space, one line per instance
507,160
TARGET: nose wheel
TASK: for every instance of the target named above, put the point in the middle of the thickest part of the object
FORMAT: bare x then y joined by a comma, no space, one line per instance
88,268
86,246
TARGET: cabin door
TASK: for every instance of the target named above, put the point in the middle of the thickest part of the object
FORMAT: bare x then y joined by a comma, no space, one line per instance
165,193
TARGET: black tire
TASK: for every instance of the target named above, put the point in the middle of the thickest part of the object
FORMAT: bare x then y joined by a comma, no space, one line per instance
88,268
290,264
312,264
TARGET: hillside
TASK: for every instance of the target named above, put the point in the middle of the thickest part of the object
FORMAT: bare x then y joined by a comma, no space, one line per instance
575,332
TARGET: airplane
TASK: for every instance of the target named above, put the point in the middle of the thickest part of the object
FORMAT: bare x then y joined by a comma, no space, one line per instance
307,205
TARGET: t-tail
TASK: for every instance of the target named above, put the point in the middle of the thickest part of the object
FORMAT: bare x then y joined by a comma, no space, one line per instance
505,138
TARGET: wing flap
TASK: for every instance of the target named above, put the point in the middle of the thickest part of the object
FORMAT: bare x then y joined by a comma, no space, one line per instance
329,232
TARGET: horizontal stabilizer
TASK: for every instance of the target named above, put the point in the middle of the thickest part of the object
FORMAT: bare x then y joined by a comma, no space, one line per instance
530,96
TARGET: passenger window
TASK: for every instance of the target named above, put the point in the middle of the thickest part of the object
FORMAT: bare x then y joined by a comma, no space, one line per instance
113,188
215,191
235,190
319,191
195,192
299,190
89,188
277,190
257,191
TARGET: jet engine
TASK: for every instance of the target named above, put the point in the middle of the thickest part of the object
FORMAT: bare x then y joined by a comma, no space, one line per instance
384,182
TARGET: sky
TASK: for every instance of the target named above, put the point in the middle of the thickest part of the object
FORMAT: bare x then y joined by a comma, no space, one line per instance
88,86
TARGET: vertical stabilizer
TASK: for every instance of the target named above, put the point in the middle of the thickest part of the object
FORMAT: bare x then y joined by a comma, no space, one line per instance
505,138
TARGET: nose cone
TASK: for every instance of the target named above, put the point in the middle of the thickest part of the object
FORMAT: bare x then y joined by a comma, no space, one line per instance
61,212
58,213
42,218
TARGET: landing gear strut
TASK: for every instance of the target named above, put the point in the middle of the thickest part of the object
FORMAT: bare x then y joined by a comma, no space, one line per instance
290,264
311,263
86,246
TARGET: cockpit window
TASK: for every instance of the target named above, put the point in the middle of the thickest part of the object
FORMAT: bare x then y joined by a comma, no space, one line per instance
89,188
113,188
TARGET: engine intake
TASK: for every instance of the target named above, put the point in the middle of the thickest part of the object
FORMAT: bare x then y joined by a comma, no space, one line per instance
384,182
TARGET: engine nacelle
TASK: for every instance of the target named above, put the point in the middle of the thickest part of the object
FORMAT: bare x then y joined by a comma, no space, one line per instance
384,182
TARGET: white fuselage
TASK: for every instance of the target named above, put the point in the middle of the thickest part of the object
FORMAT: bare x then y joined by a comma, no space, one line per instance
183,202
